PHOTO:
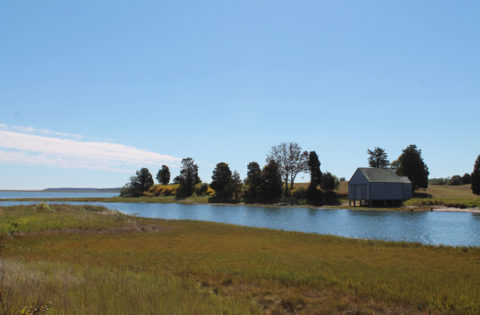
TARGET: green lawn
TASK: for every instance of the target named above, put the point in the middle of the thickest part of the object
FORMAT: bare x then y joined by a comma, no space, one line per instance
89,259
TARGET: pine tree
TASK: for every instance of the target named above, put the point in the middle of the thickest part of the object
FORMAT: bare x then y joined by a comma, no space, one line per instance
378,158
163,175
271,188
475,177
314,195
253,183
222,182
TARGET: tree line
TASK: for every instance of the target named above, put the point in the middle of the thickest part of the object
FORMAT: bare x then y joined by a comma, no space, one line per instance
274,182
271,183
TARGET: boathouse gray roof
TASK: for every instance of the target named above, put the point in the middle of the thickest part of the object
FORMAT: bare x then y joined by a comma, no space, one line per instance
382,175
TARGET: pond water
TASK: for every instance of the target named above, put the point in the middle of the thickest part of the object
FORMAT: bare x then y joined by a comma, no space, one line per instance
436,228
54,194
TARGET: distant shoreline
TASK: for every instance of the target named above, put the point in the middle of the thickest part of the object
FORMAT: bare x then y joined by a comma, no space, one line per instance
66,190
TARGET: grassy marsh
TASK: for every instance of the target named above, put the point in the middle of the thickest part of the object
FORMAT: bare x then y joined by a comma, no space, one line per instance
98,260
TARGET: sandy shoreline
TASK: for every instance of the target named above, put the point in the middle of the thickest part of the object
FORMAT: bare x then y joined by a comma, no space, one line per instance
446,209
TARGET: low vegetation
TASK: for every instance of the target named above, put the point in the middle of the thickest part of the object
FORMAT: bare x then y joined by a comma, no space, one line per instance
83,259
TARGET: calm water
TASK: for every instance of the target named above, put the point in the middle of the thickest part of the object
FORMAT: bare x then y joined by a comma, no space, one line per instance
437,228
41,194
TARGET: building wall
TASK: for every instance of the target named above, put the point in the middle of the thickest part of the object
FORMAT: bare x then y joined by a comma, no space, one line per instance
390,191
358,187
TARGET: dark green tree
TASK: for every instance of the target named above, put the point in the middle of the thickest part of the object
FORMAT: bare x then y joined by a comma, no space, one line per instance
237,186
313,194
378,158
222,182
475,177
138,184
271,188
163,175
455,180
410,164
253,183
329,182
188,178
466,179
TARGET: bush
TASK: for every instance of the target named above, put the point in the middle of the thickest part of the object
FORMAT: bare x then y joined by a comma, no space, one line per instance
299,193
202,189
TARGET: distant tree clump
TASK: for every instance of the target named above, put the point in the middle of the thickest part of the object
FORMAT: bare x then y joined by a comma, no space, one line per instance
271,188
253,183
438,181
188,178
163,175
455,180
411,164
378,158
290,160
475,177
313,194
138,184
222,182
466,179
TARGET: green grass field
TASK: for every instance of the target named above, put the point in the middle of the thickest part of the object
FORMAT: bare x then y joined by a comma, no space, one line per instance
79,260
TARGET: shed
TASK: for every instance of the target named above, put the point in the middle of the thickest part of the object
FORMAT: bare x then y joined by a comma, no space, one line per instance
378,186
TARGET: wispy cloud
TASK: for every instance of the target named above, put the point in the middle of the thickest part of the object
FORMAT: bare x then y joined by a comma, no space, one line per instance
33,130
60,150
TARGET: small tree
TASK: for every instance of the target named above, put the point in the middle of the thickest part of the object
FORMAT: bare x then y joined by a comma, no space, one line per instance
410,164
466,179
188,178
475,177
138,184
253,182
271,188
222,182
163,175
378,158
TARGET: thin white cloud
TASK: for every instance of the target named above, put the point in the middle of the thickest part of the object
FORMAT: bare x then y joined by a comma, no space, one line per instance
23,147
33,130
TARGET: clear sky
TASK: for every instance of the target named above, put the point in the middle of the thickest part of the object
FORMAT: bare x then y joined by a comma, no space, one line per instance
90,91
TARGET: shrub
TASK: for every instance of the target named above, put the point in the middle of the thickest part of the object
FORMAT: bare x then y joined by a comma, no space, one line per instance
201,189
299,193
43,207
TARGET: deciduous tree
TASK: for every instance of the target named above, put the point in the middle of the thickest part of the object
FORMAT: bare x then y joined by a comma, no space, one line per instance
290,160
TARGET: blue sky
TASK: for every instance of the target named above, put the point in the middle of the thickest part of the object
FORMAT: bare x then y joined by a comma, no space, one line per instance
92,90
